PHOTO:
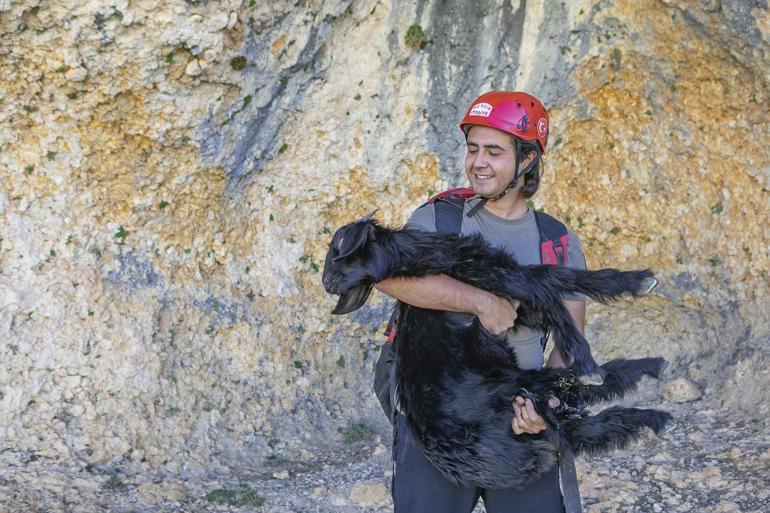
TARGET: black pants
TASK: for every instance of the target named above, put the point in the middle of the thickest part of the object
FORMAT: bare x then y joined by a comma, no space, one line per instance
419,488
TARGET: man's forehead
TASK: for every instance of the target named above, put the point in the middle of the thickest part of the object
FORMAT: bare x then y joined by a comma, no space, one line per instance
486,136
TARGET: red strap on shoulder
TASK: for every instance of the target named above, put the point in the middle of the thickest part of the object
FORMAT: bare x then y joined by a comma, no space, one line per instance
458,193
554,252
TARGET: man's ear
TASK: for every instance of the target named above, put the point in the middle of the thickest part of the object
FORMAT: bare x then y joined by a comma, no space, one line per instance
353,238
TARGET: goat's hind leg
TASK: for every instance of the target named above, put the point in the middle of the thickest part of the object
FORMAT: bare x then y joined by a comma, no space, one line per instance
613,428
621,376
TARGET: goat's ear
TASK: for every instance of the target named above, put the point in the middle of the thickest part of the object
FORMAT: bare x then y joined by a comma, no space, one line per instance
353,238
353,299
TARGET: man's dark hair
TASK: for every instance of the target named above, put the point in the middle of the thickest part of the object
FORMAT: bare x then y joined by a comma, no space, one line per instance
532,178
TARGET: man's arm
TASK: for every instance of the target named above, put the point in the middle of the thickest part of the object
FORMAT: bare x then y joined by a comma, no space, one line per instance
441,292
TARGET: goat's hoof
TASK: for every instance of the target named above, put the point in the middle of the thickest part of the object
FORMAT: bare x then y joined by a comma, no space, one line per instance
648,284
669,426
526,394
664,368
593,379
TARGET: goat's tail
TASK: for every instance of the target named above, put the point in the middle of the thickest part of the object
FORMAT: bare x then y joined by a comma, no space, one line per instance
605,285
614,428
621,377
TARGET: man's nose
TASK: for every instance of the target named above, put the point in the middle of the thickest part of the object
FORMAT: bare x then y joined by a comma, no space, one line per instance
480,162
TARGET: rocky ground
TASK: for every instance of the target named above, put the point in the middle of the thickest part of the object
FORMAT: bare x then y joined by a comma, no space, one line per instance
710,462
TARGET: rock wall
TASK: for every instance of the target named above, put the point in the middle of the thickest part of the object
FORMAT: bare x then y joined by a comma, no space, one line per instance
172,172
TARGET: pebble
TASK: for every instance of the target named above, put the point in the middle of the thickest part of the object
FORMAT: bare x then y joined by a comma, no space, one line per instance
369,495
681,390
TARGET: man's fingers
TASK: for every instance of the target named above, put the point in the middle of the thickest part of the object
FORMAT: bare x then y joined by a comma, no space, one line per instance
553,402
529,408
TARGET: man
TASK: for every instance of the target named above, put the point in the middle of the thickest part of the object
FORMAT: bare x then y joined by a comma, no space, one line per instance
506,135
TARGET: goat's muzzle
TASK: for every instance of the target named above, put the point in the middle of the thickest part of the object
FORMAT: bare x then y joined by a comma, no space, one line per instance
353,299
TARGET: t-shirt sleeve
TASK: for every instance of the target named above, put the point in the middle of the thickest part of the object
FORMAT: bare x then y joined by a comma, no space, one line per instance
424,218
576,259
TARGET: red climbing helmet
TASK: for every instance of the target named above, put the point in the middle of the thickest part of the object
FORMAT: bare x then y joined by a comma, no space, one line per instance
519,114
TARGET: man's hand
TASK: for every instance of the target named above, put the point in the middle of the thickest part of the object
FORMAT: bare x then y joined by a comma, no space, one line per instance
525,419
497,314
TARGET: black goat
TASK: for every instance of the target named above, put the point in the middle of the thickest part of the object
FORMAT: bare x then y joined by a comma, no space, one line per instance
456,381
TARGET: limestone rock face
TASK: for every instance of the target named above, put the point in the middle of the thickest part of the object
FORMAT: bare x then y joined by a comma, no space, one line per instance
171,173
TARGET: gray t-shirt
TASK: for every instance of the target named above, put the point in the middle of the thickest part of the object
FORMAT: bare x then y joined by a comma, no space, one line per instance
520,238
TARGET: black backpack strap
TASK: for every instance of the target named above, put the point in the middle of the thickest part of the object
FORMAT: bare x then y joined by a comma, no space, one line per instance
449,214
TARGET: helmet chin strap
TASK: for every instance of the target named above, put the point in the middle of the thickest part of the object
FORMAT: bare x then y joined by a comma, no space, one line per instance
514,182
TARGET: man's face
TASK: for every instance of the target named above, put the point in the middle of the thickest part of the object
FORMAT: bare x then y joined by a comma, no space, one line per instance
490,160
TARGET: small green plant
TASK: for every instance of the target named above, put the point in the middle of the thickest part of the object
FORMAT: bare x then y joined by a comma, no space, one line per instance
28,169
96,252
209,329
355,433
284,81
271,217
114,482
73,95
275,461
29,108
341,361
314,267
415,37
50,155
247,269
250,296
170,58
163,204
564,49
616,59
246,101
283,148
121,234
238,63
13,348
357,97
269,188
326,231
716,208
292,240
297,364
244,496
615,230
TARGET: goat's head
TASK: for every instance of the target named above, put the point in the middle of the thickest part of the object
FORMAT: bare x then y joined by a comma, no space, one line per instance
350,269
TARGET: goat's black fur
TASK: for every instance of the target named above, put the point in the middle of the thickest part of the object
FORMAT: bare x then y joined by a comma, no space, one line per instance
456,382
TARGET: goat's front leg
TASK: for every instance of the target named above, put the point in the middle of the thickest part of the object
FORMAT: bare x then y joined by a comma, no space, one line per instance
542,307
